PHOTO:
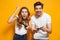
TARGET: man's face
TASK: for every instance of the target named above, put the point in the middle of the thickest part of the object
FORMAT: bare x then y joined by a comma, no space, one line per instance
38,10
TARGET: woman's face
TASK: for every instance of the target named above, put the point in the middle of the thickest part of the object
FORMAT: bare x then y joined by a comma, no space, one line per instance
24,13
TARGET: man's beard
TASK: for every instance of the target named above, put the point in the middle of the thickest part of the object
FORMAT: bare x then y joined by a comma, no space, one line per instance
39,12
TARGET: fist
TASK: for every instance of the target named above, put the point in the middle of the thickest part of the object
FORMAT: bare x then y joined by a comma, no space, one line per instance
43,28
17,8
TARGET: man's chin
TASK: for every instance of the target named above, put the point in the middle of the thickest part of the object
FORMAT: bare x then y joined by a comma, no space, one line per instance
38,14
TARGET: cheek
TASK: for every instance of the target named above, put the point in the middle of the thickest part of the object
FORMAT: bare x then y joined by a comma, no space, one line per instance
36,10
41,9
26,14
22,14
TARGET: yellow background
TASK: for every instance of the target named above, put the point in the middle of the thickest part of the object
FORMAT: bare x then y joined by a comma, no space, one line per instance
7,7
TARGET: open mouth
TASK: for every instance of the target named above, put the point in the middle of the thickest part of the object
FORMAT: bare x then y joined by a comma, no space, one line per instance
24,16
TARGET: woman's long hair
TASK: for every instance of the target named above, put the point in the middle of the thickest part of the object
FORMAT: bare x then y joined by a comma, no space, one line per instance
20,19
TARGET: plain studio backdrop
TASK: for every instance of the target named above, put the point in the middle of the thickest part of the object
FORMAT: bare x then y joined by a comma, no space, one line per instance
7,7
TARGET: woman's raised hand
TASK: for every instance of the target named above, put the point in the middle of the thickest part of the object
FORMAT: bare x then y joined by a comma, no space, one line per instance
17,8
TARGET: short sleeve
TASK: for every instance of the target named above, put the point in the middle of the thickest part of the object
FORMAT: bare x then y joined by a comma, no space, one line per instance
32,21
48,19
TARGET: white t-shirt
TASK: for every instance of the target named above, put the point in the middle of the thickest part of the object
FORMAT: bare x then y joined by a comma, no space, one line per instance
41,21
20,31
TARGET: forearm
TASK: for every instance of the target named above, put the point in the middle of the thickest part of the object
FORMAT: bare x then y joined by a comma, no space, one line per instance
48,30
13,15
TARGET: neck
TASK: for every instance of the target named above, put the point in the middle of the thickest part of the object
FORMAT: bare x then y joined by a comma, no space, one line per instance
37,16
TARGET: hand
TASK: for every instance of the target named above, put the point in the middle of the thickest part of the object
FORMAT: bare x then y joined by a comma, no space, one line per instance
26,27
17,8
34,30
43,28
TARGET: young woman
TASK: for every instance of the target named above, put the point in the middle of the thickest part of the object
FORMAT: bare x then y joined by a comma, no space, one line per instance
22,23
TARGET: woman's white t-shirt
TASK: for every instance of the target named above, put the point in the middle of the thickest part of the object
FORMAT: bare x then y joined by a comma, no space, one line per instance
20,31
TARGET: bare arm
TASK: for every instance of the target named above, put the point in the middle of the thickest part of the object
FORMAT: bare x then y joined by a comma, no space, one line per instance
48,28
29,26
13,17
34,29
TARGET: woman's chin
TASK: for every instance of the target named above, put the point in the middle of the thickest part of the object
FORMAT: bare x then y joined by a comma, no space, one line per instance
24,18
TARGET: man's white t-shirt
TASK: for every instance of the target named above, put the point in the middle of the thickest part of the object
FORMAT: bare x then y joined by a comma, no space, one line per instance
40,22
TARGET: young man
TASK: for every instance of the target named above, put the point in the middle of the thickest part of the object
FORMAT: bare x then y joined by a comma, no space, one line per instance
41,23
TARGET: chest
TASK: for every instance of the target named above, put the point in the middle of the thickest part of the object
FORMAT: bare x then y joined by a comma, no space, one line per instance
40,21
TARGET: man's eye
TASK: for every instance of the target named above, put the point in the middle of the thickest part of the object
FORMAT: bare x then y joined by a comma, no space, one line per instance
40,8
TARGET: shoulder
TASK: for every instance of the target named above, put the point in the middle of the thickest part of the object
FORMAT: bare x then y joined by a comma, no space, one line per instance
46,15
33,17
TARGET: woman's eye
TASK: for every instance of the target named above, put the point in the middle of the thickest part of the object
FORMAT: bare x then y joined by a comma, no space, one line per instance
25,11
22,11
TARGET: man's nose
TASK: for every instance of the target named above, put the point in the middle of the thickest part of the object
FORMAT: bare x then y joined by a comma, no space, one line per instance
38,9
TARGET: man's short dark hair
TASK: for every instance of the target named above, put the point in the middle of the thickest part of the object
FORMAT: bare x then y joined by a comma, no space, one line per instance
38,3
